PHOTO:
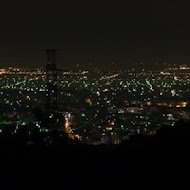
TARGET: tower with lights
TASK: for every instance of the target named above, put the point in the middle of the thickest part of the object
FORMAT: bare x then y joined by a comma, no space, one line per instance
51,109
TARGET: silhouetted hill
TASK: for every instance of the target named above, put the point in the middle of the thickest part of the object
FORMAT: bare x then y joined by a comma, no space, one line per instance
159,162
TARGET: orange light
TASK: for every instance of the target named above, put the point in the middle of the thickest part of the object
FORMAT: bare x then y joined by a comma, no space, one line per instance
88,100
108,128
106,90
112,123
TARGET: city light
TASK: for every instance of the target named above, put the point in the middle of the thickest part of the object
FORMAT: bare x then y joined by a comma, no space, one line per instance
111,99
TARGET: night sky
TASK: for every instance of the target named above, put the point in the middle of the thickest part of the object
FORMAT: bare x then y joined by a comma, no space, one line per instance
92,31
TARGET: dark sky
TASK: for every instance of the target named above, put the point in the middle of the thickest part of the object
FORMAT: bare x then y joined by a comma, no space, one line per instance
101,32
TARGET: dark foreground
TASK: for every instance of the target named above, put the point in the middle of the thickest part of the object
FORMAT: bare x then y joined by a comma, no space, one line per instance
160,162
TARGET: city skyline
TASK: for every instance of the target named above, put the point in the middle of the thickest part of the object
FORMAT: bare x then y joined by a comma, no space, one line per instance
91,105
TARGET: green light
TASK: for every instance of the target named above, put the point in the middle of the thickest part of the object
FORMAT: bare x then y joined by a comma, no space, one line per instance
4,122
83,115
122,127
44,130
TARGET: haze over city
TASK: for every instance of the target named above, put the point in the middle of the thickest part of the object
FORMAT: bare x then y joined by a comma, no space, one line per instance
98,32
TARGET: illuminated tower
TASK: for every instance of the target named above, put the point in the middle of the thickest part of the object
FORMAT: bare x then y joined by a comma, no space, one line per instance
51,89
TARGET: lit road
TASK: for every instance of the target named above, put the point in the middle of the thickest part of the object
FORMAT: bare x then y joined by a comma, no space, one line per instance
69,131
